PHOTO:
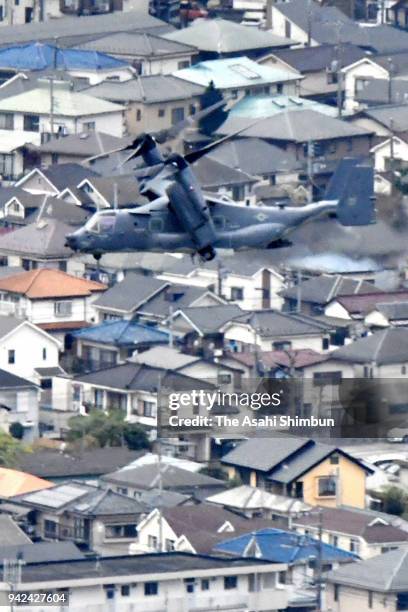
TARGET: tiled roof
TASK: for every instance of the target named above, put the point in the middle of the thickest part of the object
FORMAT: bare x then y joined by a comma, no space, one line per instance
48,283
363,303
122,333
13,482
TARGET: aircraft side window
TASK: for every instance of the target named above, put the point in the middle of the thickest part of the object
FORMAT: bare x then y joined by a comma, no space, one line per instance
156,225
219,222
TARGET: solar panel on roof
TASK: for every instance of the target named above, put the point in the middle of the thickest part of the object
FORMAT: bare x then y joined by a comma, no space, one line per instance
55,498
244,71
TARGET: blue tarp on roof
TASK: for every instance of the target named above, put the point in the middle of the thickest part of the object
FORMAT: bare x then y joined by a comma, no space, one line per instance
122,333
281,547
38,56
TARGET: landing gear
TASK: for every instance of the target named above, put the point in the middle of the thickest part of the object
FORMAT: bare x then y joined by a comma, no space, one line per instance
207,253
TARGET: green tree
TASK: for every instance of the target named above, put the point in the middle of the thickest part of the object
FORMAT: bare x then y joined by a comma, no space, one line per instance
17,430
106,429
394,500
10,450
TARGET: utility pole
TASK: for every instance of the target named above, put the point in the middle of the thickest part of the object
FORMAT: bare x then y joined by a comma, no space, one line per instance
52,77
309,23
319,568
392,150
299,291
159,466
310,155
390,73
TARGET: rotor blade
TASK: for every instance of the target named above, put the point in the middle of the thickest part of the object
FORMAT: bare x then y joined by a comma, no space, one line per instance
173,131
111,152
196,155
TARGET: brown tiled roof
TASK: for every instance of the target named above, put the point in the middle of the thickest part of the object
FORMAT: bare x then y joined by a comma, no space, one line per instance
46,283
352,523
363,303
63,325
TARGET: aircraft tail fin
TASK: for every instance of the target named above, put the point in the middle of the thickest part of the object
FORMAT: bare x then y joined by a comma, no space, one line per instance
352,185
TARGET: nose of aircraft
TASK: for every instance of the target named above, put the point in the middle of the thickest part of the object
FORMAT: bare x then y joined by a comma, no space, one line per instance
71,241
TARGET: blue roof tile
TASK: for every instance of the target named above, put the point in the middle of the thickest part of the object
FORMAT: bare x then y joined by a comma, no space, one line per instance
122,333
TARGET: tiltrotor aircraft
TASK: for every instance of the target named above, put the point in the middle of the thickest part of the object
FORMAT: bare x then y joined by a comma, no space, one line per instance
181,218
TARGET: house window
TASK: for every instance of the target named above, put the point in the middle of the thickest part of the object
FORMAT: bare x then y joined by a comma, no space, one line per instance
370,599
224,378
336,589
334,459
1,13
122,490
161,112
151,588
327,378
11,356
183,64
63,309
237,293
50,529
138,114
238,192
288,29
7,165
205,584
230,582
44,354
177,115
152,542
335,540
120,531
169,545
31,123
149,409
354,546
403,370
325,344
89,126
279,88
327,486
190,585
6,121
109,591
125,590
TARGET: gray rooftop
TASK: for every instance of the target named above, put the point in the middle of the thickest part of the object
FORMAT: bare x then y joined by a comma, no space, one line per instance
383,347
394,311
173,477
128,295
85,144
278,324
387,572
223,36
315,59
299,125
11,534
255,157
394,117
8,323
210,319
41,552
138,45
71,30
212,174
322,289
147,89
184,296
44,240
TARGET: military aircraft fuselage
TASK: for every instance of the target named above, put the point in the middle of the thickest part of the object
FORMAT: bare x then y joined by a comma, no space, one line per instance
235,227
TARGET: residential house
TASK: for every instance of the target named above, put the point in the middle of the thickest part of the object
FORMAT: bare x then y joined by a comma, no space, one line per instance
113,342
43,552
53,179
83,464
292,130
390,154
78,63
148,54
319,66
21,398
135,481
96,519
377,583
227,377
129,21
221,179
179,579
52,299
71,148
195,529
199,329
28,114
16,334
158,100
387,314
241,76
299,552
221,38
251,282
150,299
361,533
97,192
311,471
312,295
329,23
13,482
272,330
399,12
276,364
268,163
357,306
39,245
385,120
252,502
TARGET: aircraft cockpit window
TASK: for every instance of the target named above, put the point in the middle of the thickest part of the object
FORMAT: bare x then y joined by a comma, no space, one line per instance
102,224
